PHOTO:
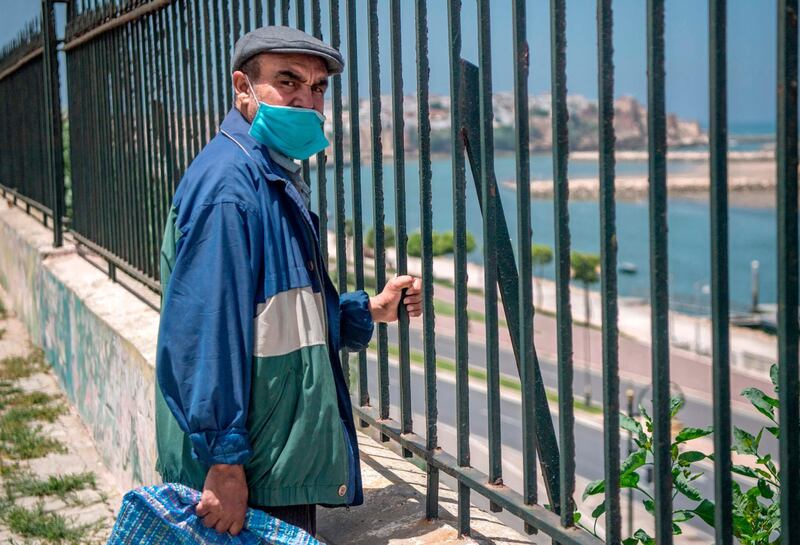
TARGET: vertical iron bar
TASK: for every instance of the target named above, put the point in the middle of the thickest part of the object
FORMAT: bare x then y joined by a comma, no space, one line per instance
208,53
271,12
52,114
322,186
170,100
259,13
659,288
285,12
401,239
129,144
426,224
300,21
489,247
237,21
227,49
246,14
158,110
300,15
525,310
608,269
787,271
459,262
377,200
142,157
177,89
202,78
338,175
566,417
355,177
189,79
718,148
220,67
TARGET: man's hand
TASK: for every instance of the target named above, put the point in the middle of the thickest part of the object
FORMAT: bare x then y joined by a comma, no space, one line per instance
383,306
223,504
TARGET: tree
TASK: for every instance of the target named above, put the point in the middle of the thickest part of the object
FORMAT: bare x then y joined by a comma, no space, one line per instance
586,270
443,243
388,237
541,255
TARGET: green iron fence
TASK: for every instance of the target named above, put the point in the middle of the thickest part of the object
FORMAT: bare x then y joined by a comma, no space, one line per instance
148,84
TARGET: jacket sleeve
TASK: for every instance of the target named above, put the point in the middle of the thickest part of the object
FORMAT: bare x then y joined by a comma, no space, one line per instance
356,320
206,331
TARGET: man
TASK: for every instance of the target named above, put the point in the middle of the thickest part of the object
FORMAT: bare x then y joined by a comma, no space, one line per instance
252,406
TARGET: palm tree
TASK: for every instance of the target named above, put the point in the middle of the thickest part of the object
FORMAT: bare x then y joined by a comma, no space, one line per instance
586,270
541,255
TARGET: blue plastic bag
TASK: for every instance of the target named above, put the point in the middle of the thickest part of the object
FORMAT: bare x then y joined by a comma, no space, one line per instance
165,514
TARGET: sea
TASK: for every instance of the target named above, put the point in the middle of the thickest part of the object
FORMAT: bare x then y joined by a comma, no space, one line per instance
752,231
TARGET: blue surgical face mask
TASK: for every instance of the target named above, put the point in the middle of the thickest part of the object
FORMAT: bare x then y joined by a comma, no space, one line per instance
296,132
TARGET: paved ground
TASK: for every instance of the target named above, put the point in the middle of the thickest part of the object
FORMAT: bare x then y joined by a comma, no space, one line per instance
394,509
53,486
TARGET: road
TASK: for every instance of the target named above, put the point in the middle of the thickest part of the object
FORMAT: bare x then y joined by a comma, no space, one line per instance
588,431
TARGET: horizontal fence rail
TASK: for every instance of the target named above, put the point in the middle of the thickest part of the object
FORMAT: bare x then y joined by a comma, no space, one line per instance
148,85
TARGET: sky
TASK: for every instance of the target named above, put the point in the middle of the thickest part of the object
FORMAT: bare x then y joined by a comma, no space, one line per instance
751,50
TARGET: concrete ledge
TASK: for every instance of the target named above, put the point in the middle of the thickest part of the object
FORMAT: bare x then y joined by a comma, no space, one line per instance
101,342
394,509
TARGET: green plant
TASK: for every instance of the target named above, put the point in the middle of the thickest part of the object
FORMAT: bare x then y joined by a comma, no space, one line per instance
682,468
756,510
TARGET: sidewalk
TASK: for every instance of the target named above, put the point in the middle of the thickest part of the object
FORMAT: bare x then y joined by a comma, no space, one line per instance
54,488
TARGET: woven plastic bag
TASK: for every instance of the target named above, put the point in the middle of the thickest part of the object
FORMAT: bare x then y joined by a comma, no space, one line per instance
165,514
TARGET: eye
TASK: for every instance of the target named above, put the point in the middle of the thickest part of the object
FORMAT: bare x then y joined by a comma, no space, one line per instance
319,89
289,83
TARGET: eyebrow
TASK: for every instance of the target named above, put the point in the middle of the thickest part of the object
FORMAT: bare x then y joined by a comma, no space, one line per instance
296,77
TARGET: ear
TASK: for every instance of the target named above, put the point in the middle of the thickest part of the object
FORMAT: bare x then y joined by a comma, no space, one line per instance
240,87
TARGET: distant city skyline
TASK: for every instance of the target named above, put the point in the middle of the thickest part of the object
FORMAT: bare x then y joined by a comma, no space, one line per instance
751,51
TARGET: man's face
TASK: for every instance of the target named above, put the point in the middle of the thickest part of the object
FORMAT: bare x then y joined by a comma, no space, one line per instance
285,79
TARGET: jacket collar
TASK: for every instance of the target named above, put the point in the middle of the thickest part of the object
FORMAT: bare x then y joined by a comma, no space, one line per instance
237,128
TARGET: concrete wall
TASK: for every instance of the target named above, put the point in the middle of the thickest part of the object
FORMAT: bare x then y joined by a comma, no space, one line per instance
99,338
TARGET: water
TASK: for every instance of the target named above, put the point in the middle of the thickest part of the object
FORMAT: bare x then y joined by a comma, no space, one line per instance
752,230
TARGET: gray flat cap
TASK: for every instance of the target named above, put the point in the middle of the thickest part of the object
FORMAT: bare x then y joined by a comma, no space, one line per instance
284,39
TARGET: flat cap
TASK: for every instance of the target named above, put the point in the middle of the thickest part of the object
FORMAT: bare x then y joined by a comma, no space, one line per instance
284,39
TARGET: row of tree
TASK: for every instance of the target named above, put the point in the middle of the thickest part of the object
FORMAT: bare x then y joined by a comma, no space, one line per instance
585,266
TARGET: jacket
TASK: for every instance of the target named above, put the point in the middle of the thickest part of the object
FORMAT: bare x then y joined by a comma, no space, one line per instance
251,327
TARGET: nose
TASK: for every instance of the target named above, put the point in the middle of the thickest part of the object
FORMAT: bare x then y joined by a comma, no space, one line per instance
303,97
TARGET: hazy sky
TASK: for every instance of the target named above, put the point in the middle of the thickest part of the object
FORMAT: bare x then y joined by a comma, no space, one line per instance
751,52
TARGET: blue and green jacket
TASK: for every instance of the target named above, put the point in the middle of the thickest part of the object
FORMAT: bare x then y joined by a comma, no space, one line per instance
251,326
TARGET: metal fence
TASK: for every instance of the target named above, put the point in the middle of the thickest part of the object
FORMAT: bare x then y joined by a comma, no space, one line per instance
31,161
148,85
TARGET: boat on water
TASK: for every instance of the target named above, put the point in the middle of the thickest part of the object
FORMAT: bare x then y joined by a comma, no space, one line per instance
626,267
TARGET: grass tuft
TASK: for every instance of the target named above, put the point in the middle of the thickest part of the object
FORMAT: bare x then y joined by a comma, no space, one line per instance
18,367
36,523
60,486
19,438
25,442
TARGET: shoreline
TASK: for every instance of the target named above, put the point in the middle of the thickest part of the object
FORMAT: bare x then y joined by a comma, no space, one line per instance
751,183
